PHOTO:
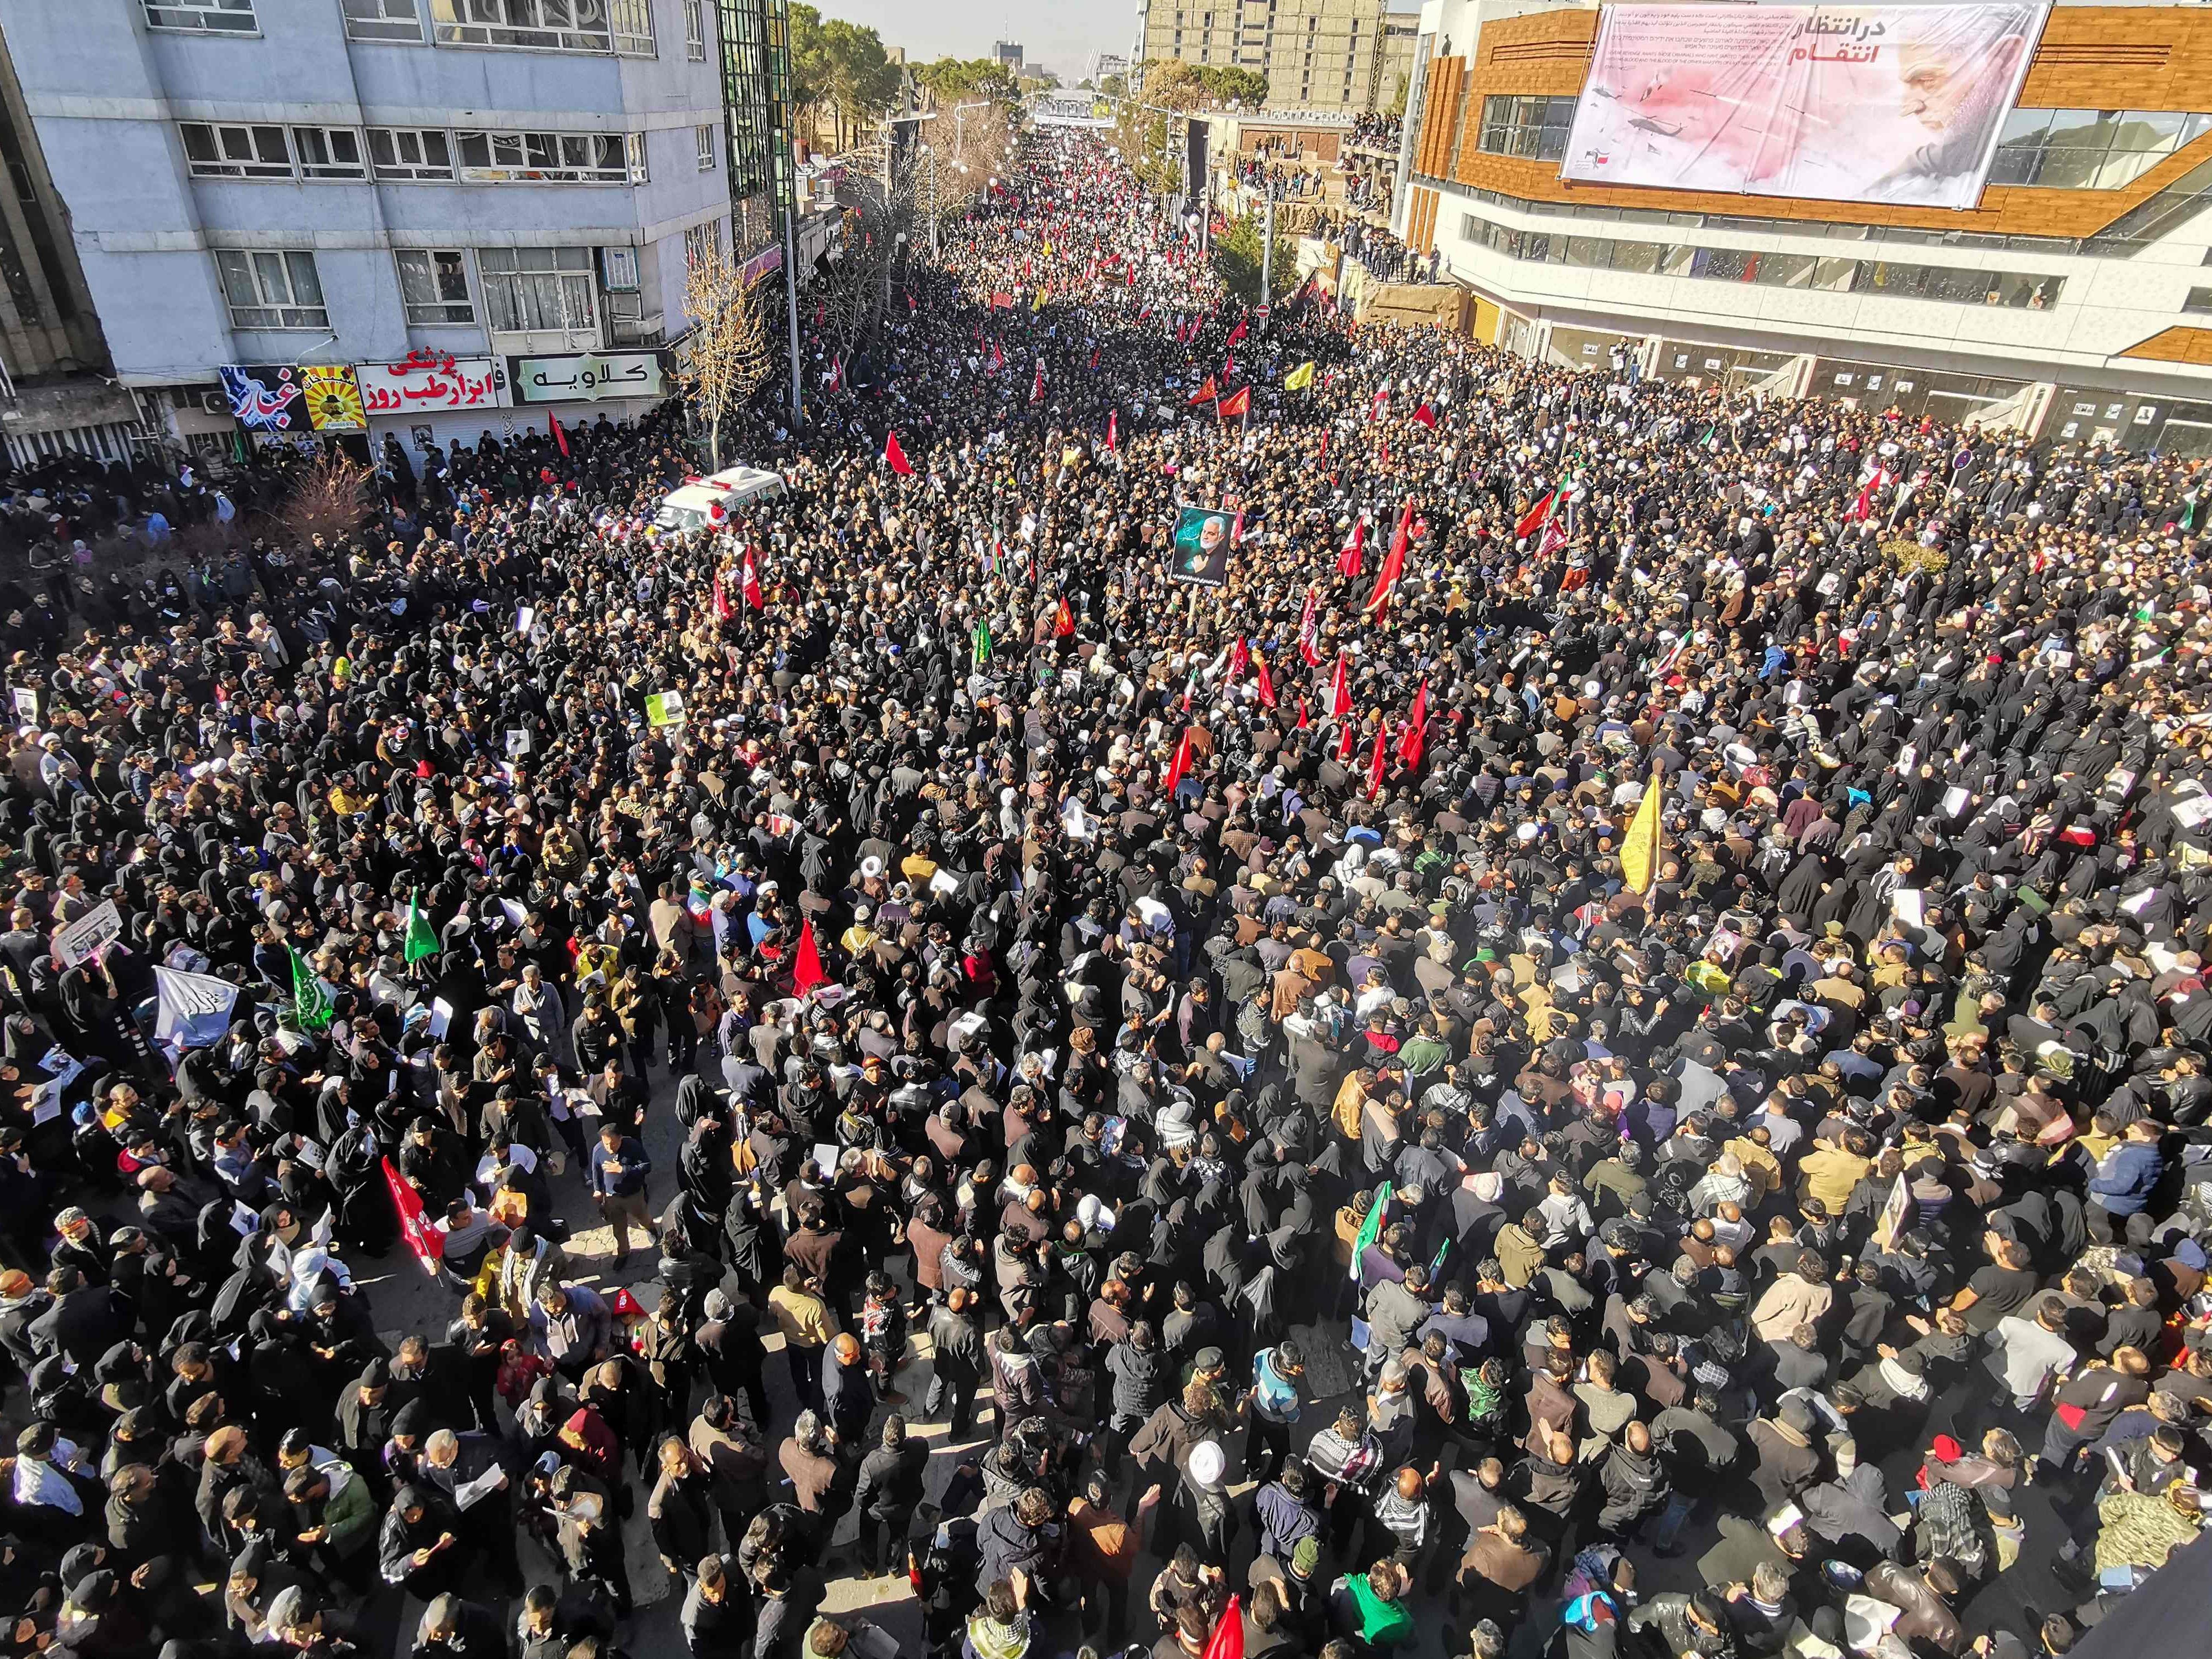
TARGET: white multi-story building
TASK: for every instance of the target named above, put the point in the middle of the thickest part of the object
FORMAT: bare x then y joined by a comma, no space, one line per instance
2076,285
426,217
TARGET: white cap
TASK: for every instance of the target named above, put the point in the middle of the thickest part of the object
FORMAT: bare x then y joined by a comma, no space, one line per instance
1207,1464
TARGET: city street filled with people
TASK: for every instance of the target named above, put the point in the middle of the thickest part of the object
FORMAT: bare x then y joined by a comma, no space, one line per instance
1599,1049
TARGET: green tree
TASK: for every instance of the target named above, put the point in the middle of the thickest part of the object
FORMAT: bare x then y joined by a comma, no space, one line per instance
1227,84
1237,258
950,80
1398,95
810,66
1115,86
856,76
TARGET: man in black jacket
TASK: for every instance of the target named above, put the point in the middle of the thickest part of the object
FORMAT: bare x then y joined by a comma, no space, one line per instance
959,1360
890,1487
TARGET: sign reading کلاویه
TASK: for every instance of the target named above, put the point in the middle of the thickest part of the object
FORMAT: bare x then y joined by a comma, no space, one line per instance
589,377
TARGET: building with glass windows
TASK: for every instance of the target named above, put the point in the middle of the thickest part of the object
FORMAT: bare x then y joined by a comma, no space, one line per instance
2071,291
355,217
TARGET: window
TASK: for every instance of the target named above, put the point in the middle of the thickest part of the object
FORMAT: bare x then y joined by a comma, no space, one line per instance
329,153
546,25
202,16
271,290
433,282
382,20
214,150
1953,284
2199,301
2088,148
633,20
1532,127
702,243
537,288
410,153
706,137
508,158
633,149
695,30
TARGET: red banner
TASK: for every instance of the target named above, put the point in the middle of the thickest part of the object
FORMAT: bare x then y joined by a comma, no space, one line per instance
426,1241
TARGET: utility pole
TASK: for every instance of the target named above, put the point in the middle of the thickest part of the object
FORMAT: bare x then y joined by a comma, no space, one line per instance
1268,250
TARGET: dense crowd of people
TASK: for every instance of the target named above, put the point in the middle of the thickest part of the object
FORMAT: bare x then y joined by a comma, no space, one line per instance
1654,940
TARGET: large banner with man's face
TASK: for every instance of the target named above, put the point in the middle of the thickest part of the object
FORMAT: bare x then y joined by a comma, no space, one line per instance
1900,103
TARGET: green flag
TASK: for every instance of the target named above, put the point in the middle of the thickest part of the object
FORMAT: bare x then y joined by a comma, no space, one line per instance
311,1009
1371,1229
421,937
983,643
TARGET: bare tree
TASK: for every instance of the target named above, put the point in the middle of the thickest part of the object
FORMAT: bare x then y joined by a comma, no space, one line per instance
329,496
727,355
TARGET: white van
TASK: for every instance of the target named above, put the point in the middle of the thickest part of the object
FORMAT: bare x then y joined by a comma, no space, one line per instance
704,503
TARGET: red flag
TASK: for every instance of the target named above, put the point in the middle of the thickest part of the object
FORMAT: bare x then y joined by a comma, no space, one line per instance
1416,735
748,579
1380,407
1348,562
1267,680
1179,765
836,374
723,610
1204,394
1339,693
426,1241
1426,416
1002,302
1324,446
1239,403
1240,658
1534,516
1227,1641
1306,717
1063,622
910,306
1036,386
1393,567
1344,747
895,456
1555,538
1375,763
998,358
559,436
1238,333
806,963
1310,629
1863,507
1094,357
1113,430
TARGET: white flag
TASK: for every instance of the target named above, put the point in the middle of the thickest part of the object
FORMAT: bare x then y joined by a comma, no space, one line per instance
194,1009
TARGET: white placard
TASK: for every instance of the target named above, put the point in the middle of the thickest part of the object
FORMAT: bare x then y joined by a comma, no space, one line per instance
99,926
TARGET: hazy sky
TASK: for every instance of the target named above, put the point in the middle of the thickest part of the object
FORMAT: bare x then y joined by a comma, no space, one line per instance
1063,35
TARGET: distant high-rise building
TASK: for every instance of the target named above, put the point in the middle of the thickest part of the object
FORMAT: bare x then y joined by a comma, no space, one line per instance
1316,54
1008,54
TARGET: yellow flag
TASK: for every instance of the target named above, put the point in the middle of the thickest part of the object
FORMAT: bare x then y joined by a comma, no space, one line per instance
1639,853
1039,305
1047,247
1299,378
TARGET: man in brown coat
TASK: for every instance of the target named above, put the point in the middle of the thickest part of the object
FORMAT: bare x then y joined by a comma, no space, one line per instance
1502,1561
821,1484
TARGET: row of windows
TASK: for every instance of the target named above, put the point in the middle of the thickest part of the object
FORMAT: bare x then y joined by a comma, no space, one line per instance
2020,290
2128,234
2090,148
219,149
2055,149
623,27
522,288
1534,127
